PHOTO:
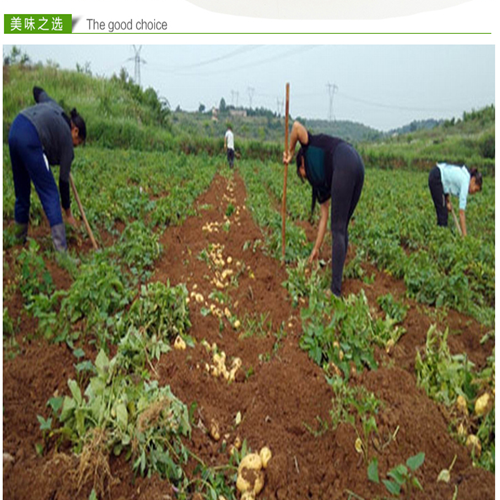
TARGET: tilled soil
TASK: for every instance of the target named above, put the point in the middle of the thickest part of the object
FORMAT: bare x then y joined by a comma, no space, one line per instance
281,395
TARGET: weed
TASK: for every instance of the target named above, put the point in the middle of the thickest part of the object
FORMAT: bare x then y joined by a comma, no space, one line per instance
402,477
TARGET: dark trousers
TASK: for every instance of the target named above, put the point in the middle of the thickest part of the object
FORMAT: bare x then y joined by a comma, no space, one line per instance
29,165
347,183
230,157
438,197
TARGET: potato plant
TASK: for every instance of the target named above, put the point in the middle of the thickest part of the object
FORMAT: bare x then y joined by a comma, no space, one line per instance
454,381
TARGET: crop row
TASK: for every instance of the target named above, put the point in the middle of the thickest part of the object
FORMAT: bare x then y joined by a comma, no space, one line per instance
342,335
395,228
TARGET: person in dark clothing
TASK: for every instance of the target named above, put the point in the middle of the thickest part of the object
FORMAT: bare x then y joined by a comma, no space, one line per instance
40,136
335,170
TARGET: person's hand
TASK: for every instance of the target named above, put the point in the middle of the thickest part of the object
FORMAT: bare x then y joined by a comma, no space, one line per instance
287,157
70,219
448,205
314,256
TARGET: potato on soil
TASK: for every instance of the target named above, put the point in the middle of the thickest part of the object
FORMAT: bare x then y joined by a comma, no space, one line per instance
483,405
250,480
462,405
179,344
250,474
248,495
214,430
473,445
265,455
250,461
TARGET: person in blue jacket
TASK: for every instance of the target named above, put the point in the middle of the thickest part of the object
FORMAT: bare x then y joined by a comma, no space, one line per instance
446,179
40,136
335,171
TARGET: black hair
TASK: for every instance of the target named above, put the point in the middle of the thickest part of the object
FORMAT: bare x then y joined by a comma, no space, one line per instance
478,177
79,123
300,156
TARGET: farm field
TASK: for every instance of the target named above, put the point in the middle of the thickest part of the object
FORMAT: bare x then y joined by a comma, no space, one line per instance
150,368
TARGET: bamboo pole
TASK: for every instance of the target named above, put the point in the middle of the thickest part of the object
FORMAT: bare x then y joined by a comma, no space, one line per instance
283,204
77,198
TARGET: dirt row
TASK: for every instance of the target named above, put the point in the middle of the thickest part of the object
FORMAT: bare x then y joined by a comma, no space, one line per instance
281,396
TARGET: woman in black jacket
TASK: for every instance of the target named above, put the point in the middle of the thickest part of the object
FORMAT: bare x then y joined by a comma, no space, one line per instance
40,136
335,170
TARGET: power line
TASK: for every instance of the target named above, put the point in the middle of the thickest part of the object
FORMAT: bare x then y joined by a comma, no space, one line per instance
251,92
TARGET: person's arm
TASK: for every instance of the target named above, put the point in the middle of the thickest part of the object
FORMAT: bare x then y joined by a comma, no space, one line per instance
323,222
225,143
298,134
461,216
64,181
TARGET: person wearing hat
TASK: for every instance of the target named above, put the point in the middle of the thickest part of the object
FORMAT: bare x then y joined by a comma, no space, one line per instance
40,136
446,179
335,171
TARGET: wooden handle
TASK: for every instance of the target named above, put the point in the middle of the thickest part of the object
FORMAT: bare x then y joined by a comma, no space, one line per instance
283,204
77,198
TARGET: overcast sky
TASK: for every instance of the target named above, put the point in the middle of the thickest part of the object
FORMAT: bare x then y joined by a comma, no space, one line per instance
382,86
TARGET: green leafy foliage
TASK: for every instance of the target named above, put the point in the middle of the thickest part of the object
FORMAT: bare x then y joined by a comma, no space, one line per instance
34,277
138,246
402,476
140,419
339,331
445,377
159,310
99,291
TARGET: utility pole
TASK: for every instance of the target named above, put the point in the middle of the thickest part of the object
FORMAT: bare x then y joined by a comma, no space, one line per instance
332,88
279,106
138,61
234,94
251,92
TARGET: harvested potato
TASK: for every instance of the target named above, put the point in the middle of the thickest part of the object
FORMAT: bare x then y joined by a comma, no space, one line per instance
483,405
250,461
389,346
462,405
265,455
214,430
250,480
473,445
179,344
461,430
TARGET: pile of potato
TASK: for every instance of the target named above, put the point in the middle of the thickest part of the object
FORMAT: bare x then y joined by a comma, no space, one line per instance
251,475
482,406
219,368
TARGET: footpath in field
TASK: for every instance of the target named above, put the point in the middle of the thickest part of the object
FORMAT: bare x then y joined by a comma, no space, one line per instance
279,397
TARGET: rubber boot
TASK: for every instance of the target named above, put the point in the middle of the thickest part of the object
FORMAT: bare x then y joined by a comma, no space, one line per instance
21,232
59,237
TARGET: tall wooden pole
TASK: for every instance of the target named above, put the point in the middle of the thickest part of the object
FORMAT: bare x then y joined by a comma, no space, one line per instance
283,204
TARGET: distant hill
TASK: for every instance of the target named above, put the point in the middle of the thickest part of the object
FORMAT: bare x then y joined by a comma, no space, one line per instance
347,130
416,125
120,114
